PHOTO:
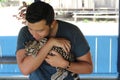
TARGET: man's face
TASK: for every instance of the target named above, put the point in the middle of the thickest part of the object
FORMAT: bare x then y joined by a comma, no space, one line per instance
39,29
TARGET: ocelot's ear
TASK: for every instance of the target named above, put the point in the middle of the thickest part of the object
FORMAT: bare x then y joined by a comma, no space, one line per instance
27,43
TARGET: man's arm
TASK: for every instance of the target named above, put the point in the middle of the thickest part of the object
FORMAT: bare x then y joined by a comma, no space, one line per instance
28,64
83,65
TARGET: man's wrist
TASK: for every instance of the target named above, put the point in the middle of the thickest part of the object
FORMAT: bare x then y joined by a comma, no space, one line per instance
67,65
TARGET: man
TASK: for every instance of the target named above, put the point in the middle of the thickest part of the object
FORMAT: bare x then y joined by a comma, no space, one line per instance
41,24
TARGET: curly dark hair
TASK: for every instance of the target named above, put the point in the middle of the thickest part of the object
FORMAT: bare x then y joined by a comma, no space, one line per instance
40,11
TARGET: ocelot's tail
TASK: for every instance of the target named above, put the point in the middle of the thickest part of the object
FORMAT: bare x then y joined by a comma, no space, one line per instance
75,76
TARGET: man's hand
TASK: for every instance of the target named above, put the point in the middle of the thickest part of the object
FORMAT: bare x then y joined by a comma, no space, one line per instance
56,60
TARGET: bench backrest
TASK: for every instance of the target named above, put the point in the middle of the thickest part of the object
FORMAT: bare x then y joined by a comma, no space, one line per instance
103,49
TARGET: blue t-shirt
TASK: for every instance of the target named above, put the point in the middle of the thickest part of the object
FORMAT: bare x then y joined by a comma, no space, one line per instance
65,30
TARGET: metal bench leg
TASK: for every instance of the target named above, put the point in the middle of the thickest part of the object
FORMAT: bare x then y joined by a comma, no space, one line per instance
119,77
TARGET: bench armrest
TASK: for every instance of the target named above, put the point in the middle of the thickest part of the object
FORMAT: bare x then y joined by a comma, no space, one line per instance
8,60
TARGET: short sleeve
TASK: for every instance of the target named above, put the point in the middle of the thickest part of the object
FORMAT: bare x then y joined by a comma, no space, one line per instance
80,44
23,36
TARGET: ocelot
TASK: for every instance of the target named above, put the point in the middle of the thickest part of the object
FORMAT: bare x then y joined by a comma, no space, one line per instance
32,48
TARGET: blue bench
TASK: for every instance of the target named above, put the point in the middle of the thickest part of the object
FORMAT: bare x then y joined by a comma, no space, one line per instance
103,49
104,56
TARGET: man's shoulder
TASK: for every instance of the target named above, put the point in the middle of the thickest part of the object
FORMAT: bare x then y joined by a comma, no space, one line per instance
65,24
24,28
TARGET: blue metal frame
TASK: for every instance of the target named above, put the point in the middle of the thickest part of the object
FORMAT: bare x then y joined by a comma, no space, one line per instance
118,66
